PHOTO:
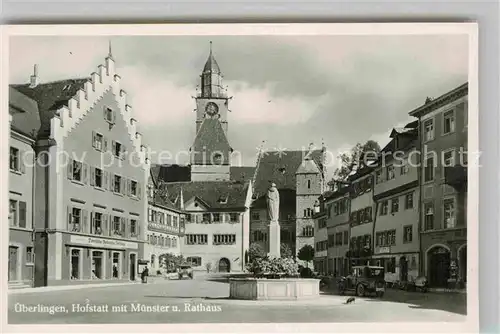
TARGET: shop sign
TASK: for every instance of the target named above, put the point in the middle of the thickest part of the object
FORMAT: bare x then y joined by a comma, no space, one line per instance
102,243
383,250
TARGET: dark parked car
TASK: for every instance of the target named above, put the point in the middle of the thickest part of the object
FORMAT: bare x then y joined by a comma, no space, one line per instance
363,280
185,270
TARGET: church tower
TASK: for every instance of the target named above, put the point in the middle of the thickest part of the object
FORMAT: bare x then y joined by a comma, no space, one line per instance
210,153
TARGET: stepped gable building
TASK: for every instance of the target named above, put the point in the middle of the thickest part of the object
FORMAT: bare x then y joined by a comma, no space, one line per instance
299,177
89,191
24,126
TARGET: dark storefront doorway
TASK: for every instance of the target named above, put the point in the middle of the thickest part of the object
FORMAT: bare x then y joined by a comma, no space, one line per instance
132,267
224,265
439,267
12,274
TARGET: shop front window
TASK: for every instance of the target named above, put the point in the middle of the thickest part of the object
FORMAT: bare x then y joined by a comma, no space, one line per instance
97,265
116,265
75,263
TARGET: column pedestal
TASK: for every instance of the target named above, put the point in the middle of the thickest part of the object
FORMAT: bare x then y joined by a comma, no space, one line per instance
274,239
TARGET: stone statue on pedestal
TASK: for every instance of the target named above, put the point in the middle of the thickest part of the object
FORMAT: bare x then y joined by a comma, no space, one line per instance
273,208
273,202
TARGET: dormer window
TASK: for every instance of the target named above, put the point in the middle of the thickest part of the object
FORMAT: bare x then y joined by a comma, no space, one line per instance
282,170
223,199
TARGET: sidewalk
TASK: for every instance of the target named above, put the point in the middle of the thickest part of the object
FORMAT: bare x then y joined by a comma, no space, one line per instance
67,287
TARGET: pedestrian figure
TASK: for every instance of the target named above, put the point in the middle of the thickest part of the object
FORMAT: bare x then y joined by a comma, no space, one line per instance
144,275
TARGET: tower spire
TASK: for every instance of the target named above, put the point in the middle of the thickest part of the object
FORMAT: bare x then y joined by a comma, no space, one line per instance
110,53
210,47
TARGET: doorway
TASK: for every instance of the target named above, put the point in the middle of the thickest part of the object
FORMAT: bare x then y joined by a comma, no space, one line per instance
13,263
224,265
439,267
403,265
132,267
97,265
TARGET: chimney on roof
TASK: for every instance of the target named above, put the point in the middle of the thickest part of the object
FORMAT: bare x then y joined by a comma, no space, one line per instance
34,78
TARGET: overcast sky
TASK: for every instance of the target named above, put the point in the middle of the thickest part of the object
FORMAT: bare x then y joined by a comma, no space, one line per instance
343,89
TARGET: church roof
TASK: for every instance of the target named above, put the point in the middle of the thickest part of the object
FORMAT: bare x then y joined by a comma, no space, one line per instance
211,64
24,111
50,97
218,195
241,173
177,173
210,138
308,166
280,167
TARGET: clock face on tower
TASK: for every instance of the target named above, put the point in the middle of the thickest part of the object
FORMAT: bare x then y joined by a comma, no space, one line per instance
212,109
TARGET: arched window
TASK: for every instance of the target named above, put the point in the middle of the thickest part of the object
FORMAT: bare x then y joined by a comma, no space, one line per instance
168,242
174,242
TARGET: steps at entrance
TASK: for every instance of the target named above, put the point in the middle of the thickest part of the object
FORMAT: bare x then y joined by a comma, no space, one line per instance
18,285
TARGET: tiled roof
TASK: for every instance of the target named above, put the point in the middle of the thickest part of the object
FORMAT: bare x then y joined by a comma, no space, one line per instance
50,97
210,138
241,173
365,170
170,173
280,168
24,111
308,166
162,200
211,193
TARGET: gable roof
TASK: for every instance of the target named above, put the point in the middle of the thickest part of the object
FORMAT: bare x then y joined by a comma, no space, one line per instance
170,173
210,192
241,173
24,111
280,167
51,96
161,200
210,138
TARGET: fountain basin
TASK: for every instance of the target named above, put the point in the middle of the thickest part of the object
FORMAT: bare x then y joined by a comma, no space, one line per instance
274,289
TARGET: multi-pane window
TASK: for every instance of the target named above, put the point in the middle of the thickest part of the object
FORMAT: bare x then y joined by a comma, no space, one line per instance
175,222
76,220
224,239
109,115
14,159
133,228
390,172
429,130
77,171
30,257
308,231
98,141
98,177
448,122
117,226
346,237
117,183
216,217
233,216
133,188
255,215
429,169
75,264
196,239
395,205
259,236
428,216
97,224
384,208
117,149
405,167
13,217
386,238
322,223
207,218
408,234
409,201
448,158
449,213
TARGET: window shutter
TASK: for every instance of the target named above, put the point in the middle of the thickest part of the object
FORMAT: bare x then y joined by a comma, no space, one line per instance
92,176
105,180
85,217
70,169
22,166
122,225
105,224
113,113
93,139
123,186
70,217
113,147
92,222
111,181
129,187
122,152
104,112
104,144
138,190
126,229
85,168
22,214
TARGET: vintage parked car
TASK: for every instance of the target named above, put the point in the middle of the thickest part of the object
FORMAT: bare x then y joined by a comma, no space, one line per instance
363,280
185,270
